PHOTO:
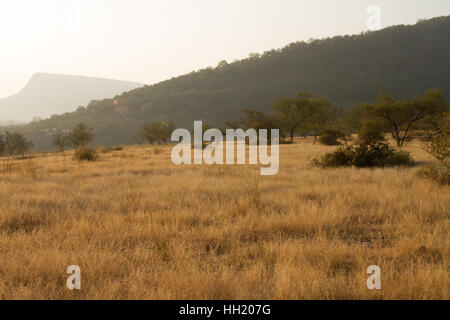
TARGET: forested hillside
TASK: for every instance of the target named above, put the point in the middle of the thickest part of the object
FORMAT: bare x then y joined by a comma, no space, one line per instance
346,69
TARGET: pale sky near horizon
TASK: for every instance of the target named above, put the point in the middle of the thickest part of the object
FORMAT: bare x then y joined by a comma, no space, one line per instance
153,40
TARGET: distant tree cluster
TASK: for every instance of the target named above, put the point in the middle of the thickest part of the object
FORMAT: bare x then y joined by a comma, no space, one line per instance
80,136
14,143
398,117
305,115
158,132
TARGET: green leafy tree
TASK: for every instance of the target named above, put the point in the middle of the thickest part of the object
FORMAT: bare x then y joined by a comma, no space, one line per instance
157,132
371,132
16,144
304,114
291,113
81,135
400,116
60,142
320,114
331,137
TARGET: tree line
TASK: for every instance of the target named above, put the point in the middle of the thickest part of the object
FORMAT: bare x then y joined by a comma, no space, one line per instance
424,116
305,115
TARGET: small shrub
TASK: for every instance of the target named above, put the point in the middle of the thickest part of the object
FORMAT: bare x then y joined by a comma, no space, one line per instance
330,138
400,158
342,157
374,155
433,173
85,154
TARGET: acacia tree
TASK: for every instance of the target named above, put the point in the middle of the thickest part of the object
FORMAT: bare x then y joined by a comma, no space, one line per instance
291,113
81,135
60,142
304,113
157,132
400,116
16,144
320,113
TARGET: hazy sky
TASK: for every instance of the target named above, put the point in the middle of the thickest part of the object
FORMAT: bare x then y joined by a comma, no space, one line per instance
153,40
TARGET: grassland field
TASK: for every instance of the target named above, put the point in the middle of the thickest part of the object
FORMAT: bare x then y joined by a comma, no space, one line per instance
141,227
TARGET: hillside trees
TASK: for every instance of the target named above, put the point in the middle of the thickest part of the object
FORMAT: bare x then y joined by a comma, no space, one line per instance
157,132
80,136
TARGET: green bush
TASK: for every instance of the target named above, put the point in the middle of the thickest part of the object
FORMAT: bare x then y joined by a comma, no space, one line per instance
374,155
85,154
330,138
371,132
433,173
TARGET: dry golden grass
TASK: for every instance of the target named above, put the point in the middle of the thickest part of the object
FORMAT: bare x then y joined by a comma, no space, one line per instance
142,228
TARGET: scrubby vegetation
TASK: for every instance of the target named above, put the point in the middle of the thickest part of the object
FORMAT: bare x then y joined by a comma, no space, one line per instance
331,137
372,155
84,153
439,148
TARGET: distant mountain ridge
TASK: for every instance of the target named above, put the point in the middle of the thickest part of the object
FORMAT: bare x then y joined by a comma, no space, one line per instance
404,60
47,94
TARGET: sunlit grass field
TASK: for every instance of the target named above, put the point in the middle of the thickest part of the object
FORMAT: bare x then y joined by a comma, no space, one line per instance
140,227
